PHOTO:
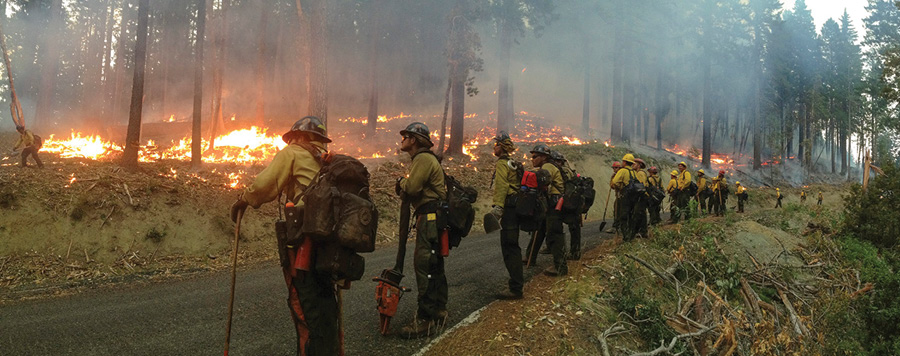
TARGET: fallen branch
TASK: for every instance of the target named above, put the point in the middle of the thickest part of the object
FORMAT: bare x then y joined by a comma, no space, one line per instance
799,328
614,329
654,270
107,216
130,200
667,349
864,290
751,297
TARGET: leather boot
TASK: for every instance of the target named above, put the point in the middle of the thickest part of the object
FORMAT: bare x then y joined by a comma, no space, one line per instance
418,328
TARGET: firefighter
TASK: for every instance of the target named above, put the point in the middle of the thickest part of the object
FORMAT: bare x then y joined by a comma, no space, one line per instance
426,191
616,166
639,214
741,194
703,191
655,185
552,225
720,193
672,190
311,295
30,145
682,196
819,202
803,196
625,201
778,196
572,219
506,185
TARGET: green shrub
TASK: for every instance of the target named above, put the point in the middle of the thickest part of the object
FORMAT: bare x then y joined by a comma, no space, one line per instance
871,215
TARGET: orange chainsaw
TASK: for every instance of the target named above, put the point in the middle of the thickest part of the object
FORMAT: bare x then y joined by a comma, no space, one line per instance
388,291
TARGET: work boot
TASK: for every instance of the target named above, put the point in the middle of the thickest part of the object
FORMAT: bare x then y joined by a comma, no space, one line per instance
418,328
544,251
509,295
574,255
441,318
610,230
551,271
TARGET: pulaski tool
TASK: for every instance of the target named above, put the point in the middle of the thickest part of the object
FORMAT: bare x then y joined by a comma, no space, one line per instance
388,290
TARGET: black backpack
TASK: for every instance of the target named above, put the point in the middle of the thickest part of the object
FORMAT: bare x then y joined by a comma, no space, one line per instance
38,141
573,195
634,189
692,189
587,186
459,210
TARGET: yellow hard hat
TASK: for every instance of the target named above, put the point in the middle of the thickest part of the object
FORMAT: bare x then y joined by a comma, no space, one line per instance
674,173
777,189
738,183
628,158
701,172
682,164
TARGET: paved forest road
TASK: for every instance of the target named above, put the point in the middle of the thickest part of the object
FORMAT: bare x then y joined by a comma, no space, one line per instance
188,317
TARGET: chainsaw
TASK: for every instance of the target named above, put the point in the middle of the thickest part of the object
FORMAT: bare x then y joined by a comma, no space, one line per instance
388,290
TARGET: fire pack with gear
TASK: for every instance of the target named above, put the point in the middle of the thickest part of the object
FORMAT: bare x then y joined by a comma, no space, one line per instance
672,190
506,186
654,184
311,295
720,193
639,214
682,195
573,196
625,202
426,190
552,225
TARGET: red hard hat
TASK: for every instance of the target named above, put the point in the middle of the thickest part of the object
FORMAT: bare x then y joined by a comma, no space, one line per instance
617,164
638,160
721,172
653,169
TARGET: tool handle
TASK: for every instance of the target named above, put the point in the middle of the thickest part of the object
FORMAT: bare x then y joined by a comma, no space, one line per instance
237,234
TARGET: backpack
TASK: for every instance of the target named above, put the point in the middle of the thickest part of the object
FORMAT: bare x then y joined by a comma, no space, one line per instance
38,141
459,210
588,192
634,189
340,208
531,202
573,196
692,189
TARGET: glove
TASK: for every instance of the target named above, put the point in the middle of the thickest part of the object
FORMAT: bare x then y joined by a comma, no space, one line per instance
496,211
397,188
238,207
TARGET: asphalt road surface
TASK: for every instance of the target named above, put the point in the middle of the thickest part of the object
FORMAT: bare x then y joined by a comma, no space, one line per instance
187,317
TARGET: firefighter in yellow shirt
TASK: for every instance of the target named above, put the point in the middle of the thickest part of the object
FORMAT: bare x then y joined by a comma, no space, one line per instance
778,197
803,196
552,227
639,215
311,296
656,195
819,201
672,190
625,198
682,196
703,191
30,145
741,194
506,185
719,194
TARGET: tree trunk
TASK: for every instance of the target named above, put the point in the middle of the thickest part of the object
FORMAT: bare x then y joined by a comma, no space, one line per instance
261,64
627,103
757,126
441,140
49,59
316,55
615,133
586,108
219,74
133,139
107,66
196,128
504,112
662,106
14,106
707,118
374,37
458,93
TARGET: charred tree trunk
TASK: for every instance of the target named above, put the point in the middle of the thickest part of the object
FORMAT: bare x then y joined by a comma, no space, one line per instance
49,58
196,128
707,118
616,123
504,110
14,107
586,108
107,66
627,103
374,36
801,134
662,106
133,139
458,93
221,39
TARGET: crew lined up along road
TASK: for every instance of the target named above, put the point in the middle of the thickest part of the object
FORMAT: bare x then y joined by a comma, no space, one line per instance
319,260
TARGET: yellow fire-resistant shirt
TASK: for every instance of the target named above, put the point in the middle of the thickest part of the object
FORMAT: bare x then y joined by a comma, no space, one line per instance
672,185
505,181
622,177
701,184
642,177
820,196
26,139
654,181
684,179
291,171
556,181
426,179
719,183
740,190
